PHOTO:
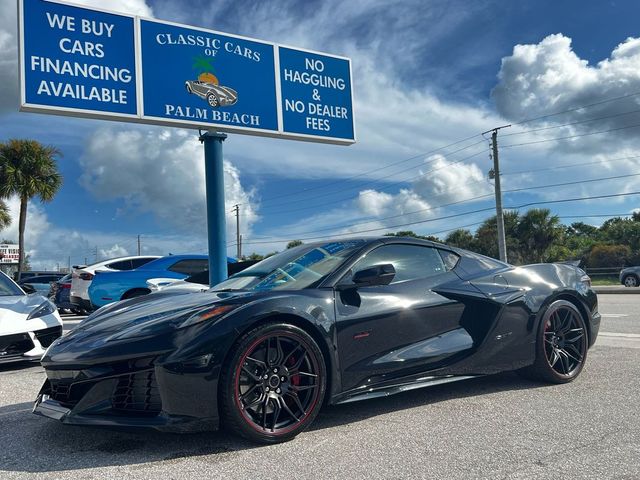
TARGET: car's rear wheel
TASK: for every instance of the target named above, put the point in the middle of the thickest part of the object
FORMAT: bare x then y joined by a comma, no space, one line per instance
212,100
274,383
561,345
630,281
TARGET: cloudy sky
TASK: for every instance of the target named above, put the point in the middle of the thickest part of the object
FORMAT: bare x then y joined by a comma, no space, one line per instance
429,77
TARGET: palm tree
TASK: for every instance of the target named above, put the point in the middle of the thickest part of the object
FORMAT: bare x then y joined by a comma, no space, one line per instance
5,218
538,229
28,169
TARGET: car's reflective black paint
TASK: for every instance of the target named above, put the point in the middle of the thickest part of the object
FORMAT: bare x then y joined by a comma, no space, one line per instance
130,364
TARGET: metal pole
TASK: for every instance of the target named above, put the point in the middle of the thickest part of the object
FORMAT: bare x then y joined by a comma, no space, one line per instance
502,244
138,245
216,212
238,240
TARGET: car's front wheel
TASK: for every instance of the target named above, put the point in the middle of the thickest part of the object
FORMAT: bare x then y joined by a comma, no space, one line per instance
561,346
212,100
274,383
630,281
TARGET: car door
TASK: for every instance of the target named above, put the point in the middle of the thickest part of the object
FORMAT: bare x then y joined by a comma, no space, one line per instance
401,329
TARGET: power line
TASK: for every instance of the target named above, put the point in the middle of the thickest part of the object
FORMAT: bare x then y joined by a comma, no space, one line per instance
391,185
368,172
575,109
533,130
570,136
515,207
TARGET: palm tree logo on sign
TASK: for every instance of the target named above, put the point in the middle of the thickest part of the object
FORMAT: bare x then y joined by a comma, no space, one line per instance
208,87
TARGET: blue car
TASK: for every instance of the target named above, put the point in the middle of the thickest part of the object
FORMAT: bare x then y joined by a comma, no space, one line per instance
109,287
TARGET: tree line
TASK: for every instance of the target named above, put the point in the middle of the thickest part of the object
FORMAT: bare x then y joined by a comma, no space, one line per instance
538,236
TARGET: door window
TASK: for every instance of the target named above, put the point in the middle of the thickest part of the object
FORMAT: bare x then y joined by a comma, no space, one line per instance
410,261
190,267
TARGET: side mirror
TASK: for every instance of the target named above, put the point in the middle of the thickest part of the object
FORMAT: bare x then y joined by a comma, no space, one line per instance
29,289
376,275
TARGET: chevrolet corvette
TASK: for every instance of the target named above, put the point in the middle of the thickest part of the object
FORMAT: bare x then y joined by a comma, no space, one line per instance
324,323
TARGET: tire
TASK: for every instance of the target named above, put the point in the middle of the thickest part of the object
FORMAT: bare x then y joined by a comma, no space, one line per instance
276,408
630,281
212,100
136,292
561,345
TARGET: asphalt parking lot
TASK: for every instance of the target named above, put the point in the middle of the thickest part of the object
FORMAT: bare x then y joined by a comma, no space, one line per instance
493,427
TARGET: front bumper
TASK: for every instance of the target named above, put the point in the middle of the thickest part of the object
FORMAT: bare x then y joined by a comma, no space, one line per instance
27,346
133,393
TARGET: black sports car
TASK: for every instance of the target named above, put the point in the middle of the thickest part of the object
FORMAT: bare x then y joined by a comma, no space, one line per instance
322,323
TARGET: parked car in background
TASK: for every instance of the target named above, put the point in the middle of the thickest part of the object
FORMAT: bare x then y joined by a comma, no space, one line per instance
59,294
630,277
195,283
83,276
33,273
28,323
41,284
108,287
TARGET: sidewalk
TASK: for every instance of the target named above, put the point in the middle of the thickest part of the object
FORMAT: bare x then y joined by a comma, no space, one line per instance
615,289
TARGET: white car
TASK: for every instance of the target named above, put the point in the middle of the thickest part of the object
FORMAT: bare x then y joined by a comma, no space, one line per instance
83,276
195,283
28,323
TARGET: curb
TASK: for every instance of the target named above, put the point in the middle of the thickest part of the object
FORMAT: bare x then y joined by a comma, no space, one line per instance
615,289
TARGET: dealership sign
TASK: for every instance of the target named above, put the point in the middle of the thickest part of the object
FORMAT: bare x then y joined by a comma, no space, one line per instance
9,253
98,64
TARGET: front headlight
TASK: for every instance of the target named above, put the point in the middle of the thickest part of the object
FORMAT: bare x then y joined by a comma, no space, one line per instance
46,308
208,314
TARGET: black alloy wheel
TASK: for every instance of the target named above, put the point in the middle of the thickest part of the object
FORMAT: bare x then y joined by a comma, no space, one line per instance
561,348
274,385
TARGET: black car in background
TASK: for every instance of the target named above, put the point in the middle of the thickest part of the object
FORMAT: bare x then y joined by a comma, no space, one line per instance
322,323
59,294
40,283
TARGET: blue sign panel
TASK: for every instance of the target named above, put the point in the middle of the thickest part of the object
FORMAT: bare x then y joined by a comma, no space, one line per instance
316,94
77,59
207,78
92,63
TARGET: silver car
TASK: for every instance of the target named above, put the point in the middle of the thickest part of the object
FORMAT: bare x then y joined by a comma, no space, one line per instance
630,276
215,95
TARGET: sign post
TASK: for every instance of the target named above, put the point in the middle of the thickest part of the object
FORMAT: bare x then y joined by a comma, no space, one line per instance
216,211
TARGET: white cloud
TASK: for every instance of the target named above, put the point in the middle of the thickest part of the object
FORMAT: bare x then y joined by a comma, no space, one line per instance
549,77
449,182
160,172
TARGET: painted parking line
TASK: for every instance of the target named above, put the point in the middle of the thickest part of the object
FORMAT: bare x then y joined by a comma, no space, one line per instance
617,334
614,315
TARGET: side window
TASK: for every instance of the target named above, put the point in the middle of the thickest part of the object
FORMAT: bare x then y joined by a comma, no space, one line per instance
410,261
189,267
449,258
121,265
138,262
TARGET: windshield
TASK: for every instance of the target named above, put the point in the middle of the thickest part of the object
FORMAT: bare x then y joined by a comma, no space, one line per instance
293,269
7,287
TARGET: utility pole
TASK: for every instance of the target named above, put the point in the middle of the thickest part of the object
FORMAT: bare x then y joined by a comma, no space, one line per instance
236,209
138,245
95,254
495,174
69,264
